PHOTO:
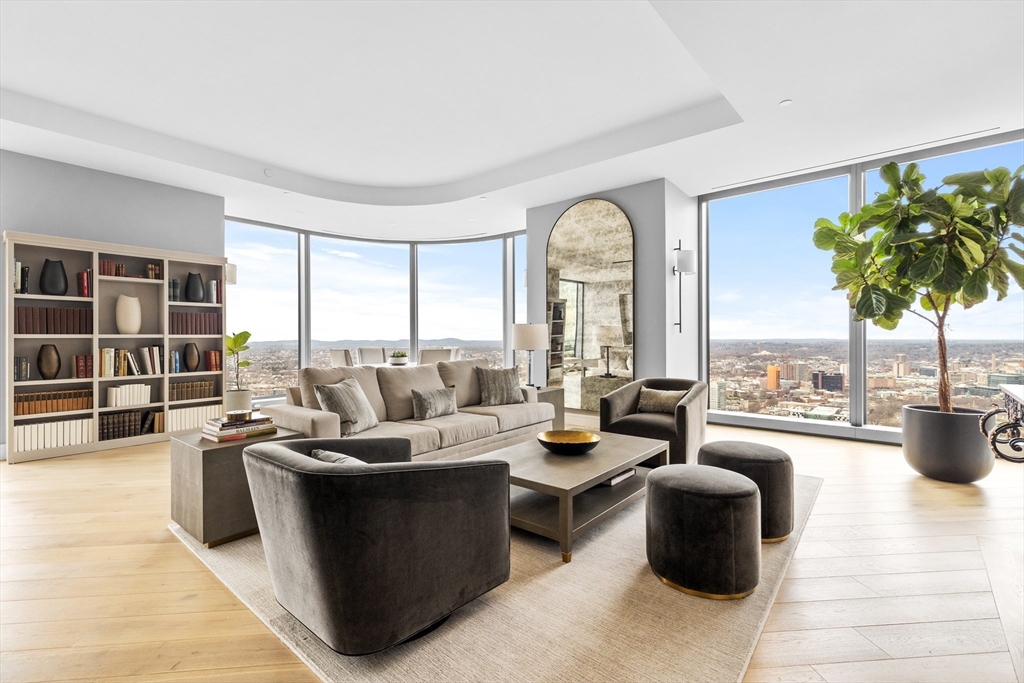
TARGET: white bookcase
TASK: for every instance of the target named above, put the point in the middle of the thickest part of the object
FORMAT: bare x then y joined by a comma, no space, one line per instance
79,255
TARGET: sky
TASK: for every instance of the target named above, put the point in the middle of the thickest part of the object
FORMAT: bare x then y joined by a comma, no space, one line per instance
767,280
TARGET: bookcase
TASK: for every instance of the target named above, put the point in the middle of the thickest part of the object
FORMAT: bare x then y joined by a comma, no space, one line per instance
72,413
556,344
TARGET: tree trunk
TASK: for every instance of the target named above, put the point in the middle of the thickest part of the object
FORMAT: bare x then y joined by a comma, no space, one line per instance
945,389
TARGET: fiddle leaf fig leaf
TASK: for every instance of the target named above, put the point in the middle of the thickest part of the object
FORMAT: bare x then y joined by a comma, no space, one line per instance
976,287
825,238
972,178
845,278
929,265
873,303
243,363
951,278
1016,270
890,173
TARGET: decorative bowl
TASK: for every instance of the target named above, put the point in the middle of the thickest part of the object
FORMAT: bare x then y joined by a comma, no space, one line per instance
398,360
568,441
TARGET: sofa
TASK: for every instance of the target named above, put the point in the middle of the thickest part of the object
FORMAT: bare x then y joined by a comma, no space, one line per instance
684,428
473,430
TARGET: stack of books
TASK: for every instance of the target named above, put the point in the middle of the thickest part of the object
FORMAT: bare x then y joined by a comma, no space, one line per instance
219,429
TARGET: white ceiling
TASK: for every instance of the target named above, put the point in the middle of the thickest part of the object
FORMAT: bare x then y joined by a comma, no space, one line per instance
391,119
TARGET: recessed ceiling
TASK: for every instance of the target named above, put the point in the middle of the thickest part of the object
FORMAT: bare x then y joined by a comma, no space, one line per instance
370,112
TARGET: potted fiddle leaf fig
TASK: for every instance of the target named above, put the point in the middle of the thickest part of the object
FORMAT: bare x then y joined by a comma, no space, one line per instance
237,398
927,252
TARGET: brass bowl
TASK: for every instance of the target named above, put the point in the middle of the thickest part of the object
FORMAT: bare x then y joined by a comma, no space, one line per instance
568,441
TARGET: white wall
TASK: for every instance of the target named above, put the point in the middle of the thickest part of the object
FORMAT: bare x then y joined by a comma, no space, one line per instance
660,215
51,198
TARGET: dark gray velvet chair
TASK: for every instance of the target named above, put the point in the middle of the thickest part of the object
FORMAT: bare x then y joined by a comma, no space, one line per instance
684,430
367,556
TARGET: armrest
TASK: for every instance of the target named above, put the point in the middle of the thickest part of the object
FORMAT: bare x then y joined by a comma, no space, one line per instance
691,419
313,423
619,403
529,394
371,451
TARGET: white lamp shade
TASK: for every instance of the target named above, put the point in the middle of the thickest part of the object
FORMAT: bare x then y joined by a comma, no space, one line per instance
530,337
608,335
686,261
230,273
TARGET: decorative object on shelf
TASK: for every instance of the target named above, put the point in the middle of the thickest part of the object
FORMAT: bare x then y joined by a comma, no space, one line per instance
174,290
53,280
212,296
191,357
530,337
398,358
568,441
238,398
128,314
194,290
962,249
686,264
84,281
608,336
48,361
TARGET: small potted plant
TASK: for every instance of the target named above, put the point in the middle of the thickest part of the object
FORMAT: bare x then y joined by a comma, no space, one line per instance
398,358
237,398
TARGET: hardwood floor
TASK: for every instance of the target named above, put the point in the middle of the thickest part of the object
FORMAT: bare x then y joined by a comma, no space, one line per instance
897,578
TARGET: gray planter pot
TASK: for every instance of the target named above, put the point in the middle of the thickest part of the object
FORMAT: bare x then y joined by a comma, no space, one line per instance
946,446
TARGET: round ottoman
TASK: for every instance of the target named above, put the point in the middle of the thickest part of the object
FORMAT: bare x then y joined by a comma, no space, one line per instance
769,468
704,530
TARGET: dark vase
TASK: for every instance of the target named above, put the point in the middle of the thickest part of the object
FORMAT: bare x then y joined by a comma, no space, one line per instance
194,290
53,280
191,357
48,361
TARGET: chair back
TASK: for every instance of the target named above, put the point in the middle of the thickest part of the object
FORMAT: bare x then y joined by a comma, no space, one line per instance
370,354
341,358
437,355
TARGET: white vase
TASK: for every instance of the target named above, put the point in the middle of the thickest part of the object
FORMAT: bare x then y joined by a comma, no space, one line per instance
238,399
128,315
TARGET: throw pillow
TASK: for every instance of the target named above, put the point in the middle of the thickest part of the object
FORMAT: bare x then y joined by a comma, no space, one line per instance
336,458
346,398
499,387
433,403
659,400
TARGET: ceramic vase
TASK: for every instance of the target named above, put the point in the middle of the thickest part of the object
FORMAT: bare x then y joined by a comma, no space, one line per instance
53,280
194,290
191,357
128,314
48,361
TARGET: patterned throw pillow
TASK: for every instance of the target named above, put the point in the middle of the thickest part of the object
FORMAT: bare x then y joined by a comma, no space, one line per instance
346,398
499,387
659,401
335,458
433,403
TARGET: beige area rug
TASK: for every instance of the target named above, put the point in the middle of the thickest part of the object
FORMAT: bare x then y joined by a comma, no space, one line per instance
602,617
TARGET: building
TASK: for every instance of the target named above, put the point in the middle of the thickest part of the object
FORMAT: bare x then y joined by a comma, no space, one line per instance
772,372
827,381
900,366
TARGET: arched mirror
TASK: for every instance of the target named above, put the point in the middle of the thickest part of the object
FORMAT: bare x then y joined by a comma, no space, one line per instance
590,302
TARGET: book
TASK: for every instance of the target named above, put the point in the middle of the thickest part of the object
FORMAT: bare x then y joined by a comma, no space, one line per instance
619,478
239,437
221,423
250,429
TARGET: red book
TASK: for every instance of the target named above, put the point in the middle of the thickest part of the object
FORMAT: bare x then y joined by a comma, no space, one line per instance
83,283
88,366
80,366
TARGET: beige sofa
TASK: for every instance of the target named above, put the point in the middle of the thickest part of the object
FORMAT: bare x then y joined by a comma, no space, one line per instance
473,430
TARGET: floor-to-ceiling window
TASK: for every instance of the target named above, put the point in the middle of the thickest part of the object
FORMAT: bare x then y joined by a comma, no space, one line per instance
985,343
778,334
359,296
265,302
460,298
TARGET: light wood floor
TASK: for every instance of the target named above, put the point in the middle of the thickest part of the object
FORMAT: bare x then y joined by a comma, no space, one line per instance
897,578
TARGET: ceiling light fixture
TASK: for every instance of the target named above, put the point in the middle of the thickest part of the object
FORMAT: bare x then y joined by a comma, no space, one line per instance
268,172
483,199
287,193
785,103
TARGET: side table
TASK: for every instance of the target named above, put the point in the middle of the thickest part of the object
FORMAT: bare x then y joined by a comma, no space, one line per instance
556,397
210,496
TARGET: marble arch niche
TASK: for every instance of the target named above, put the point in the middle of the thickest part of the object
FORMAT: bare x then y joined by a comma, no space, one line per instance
590,302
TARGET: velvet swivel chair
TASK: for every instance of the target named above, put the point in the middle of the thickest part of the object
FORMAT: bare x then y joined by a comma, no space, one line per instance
684,429
370,553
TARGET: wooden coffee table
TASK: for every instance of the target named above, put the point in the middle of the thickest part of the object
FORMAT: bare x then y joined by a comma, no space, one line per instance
561,496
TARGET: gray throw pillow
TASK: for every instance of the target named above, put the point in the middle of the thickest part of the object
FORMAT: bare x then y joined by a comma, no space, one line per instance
499,387
659,401
346,398
335,458
433,403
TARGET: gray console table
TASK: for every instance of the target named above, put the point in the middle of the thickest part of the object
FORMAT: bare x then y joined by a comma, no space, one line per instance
210,496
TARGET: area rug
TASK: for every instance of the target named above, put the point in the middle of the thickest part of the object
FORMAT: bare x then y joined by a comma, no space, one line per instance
602,617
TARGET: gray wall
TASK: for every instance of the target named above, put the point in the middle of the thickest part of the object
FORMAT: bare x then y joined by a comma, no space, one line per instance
50,198
660,215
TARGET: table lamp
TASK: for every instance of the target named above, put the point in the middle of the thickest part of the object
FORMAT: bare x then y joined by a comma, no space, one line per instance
530,337
606,337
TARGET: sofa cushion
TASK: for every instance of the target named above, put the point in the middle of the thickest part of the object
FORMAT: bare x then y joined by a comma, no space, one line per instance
460,428
499,387
396,385
422,439
659,400
366,376
516,415
433,403
461,374
347,399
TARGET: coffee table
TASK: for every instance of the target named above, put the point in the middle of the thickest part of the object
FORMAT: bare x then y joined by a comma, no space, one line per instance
561,496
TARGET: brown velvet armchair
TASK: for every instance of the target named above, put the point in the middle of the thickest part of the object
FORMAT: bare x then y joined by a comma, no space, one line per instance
684,430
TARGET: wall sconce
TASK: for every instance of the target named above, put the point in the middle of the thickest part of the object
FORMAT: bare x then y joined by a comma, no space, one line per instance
230,273
686,264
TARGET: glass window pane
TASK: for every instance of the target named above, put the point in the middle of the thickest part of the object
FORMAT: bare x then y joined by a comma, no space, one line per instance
779,335
359,296
460,297
266,303
985,343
